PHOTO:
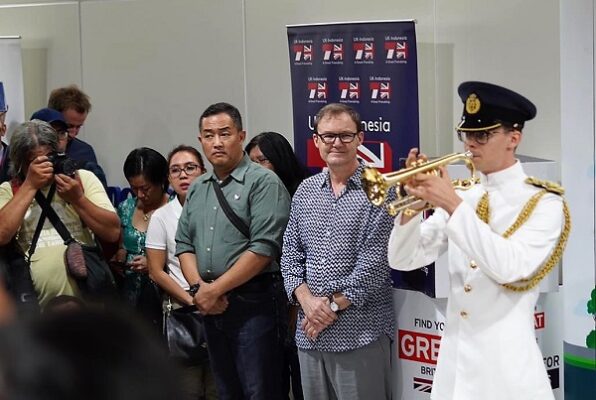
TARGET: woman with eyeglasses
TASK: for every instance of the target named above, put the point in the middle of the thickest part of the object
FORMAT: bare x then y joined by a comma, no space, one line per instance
273,151
185,164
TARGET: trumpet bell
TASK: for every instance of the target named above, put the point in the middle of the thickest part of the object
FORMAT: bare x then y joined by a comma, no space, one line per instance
374,186
377,185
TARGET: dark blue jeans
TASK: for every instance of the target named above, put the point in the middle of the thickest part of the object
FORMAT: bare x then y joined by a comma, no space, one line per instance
246,344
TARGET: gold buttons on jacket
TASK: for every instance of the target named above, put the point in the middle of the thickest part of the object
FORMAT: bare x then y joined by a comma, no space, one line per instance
473,264
463,314
467,288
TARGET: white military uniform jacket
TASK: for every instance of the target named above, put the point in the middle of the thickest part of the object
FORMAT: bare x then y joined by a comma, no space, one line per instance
488,350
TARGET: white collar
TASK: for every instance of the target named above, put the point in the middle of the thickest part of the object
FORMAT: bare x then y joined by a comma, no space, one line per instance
505,177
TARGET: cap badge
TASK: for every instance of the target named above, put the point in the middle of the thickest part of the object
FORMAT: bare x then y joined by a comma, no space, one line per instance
472,104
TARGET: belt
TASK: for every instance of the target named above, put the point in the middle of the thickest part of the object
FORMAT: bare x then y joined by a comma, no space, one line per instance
259,283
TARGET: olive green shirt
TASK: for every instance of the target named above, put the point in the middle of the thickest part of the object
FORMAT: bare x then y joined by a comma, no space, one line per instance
257,196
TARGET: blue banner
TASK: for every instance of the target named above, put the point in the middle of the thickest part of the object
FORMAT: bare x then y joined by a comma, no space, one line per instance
370,66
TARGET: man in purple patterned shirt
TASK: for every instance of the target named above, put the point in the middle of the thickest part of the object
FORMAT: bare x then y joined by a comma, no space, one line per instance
334,265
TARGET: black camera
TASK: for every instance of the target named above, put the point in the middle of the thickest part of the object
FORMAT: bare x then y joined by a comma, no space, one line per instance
63,164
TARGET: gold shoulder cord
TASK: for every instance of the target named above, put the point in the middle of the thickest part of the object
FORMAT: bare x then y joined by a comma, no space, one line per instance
483,212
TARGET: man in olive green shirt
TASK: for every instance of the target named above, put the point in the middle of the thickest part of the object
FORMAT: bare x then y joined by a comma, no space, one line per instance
236,278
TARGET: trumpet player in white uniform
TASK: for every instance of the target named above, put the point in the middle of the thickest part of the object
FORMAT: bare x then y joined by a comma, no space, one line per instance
502,236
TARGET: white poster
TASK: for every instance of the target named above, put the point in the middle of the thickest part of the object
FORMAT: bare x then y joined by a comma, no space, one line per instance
11,75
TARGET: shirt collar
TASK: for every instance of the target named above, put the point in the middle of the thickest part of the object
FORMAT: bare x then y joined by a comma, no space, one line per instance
501,178
237,173
354,181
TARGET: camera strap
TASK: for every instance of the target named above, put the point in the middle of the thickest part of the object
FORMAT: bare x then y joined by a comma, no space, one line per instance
46,206
42,218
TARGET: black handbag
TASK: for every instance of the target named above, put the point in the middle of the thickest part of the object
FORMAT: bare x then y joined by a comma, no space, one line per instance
16,269
16,273
85,263
184,334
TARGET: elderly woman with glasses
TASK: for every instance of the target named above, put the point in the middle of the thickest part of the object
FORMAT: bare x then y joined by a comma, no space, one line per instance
80,201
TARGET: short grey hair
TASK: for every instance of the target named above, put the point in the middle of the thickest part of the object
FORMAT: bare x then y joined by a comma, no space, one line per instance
25,139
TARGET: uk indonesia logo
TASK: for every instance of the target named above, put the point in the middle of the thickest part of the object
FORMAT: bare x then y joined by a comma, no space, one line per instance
364,51
333,51
303,52
396,50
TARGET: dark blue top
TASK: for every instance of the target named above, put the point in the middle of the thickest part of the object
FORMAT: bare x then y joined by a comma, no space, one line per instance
82,152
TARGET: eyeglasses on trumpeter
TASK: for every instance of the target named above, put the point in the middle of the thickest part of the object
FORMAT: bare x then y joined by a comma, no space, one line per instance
480,137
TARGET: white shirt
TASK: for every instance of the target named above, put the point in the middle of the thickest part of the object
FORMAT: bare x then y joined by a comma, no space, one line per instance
488,350
161,235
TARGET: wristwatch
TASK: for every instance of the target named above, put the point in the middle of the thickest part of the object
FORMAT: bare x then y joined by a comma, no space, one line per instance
333,305
193,289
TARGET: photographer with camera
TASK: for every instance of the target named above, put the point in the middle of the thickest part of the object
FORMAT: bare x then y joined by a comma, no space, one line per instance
56,119
80,202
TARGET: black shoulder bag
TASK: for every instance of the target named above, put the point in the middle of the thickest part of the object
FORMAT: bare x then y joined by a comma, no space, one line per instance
232,216
17,269
84,263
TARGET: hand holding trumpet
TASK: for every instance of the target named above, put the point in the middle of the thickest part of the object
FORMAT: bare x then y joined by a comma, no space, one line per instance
434,188
426,184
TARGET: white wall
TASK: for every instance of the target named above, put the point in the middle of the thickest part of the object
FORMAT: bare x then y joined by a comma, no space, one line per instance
152,66
155,69
578,148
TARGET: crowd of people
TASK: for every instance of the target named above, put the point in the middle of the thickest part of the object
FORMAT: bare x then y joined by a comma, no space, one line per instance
286,275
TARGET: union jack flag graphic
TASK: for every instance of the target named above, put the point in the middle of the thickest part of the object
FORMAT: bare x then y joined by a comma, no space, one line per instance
423,385
364,50
335,51
302,52
349,90
396,50
317,90
380,90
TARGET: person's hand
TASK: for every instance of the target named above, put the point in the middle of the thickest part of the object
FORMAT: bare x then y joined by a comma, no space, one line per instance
318,315
69,188
208,301
40,172
139,264
310,330
436,190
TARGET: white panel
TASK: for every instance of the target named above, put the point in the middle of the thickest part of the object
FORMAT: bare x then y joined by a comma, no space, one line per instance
151,68
578,113
50,46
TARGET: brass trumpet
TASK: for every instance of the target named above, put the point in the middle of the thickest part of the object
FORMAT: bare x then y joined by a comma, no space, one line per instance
377,185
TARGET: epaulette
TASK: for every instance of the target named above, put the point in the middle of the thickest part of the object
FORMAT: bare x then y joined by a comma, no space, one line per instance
549,186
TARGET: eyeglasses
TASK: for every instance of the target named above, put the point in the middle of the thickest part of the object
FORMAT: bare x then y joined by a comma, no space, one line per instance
480,137
329,138
189,169
262,160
